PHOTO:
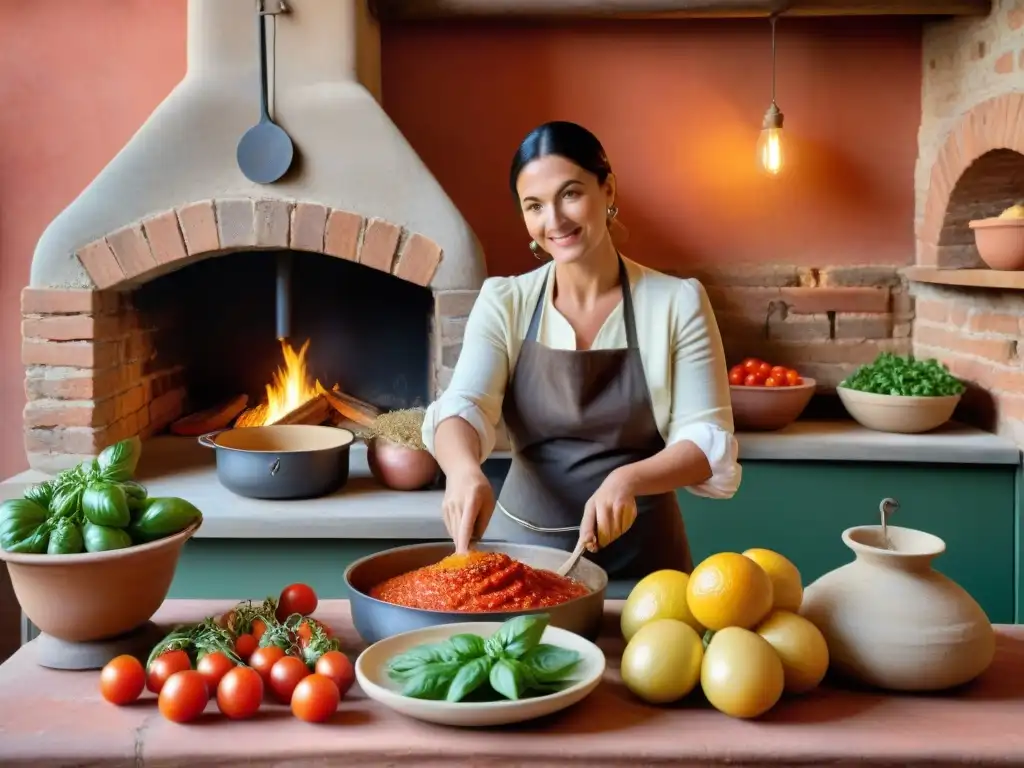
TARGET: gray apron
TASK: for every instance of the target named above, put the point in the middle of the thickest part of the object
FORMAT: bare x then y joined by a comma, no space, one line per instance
573,417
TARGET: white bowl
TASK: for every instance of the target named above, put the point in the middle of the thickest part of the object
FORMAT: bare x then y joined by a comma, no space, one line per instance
898,413
372,675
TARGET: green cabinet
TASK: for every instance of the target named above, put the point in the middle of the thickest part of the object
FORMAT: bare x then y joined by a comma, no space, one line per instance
797,508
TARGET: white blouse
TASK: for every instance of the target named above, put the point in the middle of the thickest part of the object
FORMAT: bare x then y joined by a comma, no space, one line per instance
680,345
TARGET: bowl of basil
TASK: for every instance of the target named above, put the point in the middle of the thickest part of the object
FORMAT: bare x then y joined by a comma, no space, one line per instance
481,673
902,394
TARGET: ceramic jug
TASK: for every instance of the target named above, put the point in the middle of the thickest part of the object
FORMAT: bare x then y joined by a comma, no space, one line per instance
893,622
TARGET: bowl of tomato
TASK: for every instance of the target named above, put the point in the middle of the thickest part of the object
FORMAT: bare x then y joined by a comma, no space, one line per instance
767,397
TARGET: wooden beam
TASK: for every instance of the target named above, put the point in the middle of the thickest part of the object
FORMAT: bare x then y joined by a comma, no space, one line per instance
422,10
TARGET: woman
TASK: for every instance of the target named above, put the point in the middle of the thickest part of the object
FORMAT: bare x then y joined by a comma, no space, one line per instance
610,377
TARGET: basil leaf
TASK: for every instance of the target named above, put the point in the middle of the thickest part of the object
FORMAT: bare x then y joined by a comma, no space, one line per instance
549,663
470,676
117,462
467,646
516,636
431,681
506,679
892,374
410,662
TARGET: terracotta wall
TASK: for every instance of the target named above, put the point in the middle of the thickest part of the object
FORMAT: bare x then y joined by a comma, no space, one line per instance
677,104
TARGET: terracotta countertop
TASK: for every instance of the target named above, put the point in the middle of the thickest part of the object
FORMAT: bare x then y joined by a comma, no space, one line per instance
57,718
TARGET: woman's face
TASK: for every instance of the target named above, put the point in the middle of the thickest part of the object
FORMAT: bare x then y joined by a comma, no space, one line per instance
565,209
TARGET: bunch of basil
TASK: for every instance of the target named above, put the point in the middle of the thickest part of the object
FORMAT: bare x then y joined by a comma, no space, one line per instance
93,507
512,661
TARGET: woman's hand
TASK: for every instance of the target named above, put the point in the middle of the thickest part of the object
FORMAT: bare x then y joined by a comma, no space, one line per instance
468,505
609,513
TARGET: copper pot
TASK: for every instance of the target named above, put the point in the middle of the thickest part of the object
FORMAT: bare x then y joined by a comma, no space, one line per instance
400,467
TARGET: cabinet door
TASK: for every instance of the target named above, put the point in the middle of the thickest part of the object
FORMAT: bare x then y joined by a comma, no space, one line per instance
800,509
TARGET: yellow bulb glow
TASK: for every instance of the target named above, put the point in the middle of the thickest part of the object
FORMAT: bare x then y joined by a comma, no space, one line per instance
769,150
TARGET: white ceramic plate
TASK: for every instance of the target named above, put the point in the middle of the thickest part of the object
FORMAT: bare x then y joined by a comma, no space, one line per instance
373,679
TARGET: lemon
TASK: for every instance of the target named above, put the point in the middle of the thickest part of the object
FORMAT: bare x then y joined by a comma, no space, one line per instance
662,662
741,674
659,595
1013,212
800,646
729,590
787,586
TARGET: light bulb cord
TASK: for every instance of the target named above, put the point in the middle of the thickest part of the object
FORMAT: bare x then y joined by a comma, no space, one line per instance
773,20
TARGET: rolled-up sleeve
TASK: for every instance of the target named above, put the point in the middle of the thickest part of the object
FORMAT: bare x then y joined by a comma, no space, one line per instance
701,406
478,382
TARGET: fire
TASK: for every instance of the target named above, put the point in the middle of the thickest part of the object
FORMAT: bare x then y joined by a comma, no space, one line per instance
290,387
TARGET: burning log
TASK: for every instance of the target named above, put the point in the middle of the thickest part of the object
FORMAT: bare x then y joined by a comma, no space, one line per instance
211,419
314,411
351,408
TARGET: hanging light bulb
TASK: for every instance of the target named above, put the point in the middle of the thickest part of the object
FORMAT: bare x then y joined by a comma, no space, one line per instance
769,143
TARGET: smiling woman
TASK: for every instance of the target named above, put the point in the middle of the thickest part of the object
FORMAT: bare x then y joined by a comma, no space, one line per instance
610,378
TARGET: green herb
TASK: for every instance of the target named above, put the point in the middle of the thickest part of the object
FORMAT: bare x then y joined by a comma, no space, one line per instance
512,662
893,374
117,462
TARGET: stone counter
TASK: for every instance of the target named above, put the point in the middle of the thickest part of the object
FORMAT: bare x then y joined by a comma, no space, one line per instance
173,466
58,719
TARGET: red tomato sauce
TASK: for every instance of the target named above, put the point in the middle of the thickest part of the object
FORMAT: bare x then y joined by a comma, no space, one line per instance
478,582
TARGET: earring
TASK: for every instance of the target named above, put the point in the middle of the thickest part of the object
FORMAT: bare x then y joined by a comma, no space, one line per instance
613,211
535,248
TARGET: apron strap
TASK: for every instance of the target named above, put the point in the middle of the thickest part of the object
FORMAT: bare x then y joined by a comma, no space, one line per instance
627,309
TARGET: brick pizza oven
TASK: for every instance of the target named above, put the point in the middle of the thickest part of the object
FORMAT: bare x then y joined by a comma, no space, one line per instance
170,246
970,166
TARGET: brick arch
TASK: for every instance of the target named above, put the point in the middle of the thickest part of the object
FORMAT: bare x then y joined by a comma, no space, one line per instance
164,241
994,124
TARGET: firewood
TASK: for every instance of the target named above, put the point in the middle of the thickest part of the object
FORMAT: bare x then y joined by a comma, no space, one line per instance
351,408
252,417
314,411
211,419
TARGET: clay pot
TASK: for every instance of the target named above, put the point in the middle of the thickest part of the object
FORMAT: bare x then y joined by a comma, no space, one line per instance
1000,242
893,622
95,595
398,467
769,408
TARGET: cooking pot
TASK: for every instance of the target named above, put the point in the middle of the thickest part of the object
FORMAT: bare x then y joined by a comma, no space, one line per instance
282,461
375,619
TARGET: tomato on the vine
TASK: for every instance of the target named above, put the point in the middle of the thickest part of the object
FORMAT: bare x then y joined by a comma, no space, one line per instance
245,644
296,598
240,693
336,666
259,626
315,698
213,666
122,680
183,696
285,675
264,659
165,665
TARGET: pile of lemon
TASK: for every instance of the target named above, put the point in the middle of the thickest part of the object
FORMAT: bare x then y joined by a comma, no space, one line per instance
732,625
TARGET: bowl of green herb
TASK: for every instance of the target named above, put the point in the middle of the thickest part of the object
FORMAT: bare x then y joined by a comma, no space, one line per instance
904,394
477,674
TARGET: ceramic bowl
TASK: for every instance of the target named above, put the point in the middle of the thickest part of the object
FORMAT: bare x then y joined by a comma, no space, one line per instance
769,408
1000,242
399,467
373,679
898,413
95,595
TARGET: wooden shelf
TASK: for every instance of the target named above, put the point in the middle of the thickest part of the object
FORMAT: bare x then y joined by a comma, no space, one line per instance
974,278
422,10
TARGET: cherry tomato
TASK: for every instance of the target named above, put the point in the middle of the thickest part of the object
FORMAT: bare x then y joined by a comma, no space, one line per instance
315,699
336,666
779,371
213,666
304,631
771,381
165,665
259,626
764,371
240,693
264,659
244,646
184,696
793,378
751,381
751,364
736,378
122,680
285,675
296,598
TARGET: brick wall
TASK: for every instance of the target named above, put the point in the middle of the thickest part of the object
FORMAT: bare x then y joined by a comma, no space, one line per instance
971,165
824,321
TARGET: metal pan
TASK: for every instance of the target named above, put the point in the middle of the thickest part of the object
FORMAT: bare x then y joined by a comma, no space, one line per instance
374,619
281,461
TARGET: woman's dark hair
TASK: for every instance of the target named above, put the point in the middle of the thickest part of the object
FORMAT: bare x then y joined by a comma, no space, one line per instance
568,140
